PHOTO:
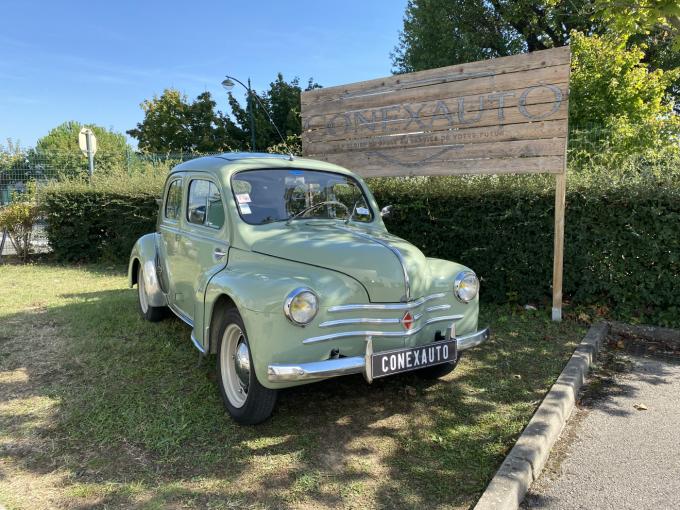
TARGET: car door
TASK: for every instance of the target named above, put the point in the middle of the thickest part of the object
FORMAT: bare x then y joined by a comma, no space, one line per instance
169,229
204,241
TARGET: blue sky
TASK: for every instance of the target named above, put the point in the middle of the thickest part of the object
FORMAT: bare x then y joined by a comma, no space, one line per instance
94,62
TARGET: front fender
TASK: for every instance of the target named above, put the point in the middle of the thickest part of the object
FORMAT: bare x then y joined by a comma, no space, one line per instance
144,253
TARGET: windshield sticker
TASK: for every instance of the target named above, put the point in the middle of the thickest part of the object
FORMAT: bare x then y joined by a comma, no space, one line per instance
362,210
243,198
244,208
295,172
292,181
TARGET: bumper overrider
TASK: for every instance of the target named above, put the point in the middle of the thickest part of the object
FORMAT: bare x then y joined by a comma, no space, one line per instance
335,367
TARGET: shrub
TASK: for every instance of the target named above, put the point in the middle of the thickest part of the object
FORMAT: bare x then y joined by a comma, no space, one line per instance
100,220
18,219
622,236
622,245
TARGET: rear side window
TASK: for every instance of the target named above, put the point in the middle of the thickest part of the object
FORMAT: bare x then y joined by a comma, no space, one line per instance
205,204
173,200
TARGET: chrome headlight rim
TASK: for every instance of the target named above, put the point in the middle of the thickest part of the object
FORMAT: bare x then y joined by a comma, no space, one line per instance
460,277
289,301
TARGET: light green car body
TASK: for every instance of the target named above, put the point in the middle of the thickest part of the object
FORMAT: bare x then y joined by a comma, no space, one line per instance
345,264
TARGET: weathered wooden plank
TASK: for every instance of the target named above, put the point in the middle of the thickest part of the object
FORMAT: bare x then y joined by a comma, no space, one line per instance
417,155
428,154
377,168
388,128
526,131
480,85
497,66
470,103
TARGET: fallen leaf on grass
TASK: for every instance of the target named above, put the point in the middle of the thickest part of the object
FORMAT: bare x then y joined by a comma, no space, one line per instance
640,407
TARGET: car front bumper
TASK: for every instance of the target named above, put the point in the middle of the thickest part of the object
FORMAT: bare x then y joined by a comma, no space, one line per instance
325,369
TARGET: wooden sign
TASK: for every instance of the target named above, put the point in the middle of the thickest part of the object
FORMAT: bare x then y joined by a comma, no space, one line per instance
506,115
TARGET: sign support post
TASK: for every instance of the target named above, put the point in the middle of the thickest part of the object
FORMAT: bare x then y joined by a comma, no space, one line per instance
558,261
88,145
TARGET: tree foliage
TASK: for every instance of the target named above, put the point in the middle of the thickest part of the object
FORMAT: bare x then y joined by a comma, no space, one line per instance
630,17
173,124
613,89
59,151
445,32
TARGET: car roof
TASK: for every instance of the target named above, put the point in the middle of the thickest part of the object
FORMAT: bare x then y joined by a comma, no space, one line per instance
228,163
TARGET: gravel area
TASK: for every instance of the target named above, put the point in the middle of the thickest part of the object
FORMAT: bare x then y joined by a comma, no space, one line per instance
621,452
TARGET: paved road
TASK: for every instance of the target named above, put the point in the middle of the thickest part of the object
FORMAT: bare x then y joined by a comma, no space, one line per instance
613,456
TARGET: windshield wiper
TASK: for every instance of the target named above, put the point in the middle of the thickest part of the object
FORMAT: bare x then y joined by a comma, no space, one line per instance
315,206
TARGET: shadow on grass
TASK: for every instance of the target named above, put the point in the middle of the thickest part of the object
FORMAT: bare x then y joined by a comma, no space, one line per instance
137,421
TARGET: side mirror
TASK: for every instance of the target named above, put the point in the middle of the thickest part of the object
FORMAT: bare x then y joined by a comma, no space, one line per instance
386,211
159,201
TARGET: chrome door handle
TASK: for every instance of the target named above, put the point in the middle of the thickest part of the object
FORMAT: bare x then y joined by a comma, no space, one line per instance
219,254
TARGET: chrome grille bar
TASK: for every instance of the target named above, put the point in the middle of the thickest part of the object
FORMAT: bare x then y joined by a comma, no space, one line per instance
366,320
348,334
387,306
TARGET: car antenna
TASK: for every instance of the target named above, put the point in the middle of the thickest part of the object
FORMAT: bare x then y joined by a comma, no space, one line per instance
271,121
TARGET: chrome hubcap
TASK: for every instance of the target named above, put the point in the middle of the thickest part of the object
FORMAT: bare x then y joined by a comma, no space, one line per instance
235,365
141,288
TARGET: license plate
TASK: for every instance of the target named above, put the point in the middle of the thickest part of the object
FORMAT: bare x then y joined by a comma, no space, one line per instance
404,360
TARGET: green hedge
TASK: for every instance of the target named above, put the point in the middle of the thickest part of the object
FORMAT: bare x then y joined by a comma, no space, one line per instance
622,234
99,221
622,237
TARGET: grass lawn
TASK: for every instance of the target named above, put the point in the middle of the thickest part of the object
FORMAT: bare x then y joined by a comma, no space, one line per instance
99,409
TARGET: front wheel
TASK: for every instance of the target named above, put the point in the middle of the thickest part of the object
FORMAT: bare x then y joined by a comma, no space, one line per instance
148,312
247,401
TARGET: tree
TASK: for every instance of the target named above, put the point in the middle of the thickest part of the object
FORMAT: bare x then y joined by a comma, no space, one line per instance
173,125
445,32
612,88
58,151
282,101
630,17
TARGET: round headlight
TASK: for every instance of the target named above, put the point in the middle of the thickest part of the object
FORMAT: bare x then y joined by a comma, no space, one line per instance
301,306
466,286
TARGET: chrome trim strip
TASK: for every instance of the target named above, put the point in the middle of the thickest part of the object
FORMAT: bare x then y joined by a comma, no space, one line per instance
181,315
344,366
196,344
361,320
444,318
387,306
410,332
395,251
437,307
366,320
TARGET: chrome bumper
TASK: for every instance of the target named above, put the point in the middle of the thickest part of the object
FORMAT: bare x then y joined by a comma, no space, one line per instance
317,370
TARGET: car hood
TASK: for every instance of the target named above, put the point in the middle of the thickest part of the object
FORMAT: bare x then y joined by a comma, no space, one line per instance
381,262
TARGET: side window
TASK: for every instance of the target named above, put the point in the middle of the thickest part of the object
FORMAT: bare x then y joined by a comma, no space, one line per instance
173,200
205,204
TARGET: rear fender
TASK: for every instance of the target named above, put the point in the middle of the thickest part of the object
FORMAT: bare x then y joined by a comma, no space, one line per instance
145,254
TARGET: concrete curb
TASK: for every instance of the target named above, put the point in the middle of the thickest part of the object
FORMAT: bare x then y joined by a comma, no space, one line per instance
527,458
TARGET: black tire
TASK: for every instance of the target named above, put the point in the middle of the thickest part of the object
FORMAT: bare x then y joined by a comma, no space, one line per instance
253,403
148,312
438,371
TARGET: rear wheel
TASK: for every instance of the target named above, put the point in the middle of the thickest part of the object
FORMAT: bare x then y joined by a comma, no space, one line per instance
247,401
150,313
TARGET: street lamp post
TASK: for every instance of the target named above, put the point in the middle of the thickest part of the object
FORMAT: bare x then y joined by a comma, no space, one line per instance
228,84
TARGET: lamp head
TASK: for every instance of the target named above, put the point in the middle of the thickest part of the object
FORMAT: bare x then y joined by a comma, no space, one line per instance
228,84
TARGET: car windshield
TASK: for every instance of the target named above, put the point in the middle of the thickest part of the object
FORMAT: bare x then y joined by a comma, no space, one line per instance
265,196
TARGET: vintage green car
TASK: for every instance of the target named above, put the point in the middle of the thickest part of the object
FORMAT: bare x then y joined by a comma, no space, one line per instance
283,267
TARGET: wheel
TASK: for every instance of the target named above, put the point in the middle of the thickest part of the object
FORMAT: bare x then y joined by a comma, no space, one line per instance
150,313
247,401
438,371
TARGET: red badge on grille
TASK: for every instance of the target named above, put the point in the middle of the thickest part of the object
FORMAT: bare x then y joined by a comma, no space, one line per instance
407,320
